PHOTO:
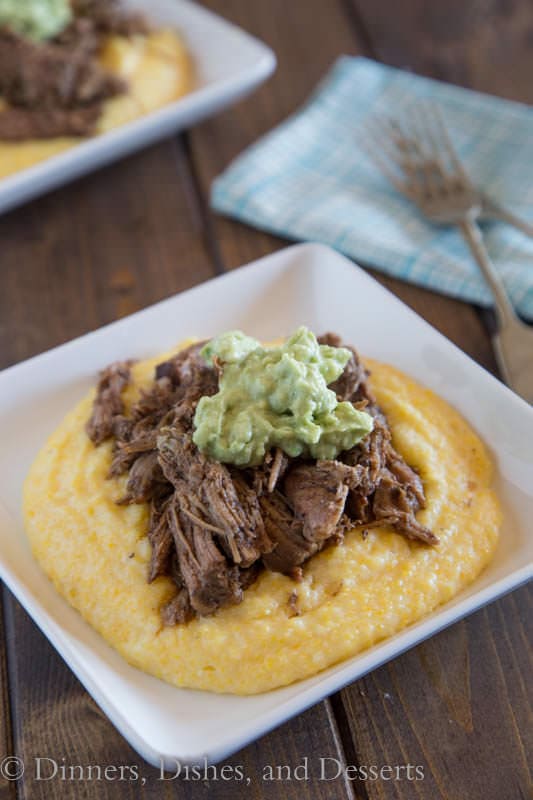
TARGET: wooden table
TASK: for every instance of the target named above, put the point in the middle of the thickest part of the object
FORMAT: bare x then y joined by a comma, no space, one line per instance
458,705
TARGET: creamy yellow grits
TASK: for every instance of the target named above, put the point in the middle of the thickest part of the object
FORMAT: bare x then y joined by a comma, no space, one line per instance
158,70
352,595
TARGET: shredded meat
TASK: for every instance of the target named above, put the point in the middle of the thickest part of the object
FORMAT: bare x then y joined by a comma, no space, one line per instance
80,35
352,382
291,548
178,610
209,579
317,495
395,504
267,476
108,17
108,405
239,524
17,124
144,480
48,76
160,537
57,88
214,527
370,454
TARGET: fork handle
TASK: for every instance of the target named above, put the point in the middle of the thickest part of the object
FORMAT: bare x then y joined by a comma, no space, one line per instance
472,235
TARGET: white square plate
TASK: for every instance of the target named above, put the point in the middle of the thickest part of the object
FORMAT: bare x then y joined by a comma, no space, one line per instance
306,284
229,64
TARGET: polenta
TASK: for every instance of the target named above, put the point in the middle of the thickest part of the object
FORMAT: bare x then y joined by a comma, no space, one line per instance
351,596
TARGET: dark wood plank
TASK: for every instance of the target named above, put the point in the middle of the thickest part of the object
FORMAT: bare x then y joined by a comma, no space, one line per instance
8,788
307,38
485,45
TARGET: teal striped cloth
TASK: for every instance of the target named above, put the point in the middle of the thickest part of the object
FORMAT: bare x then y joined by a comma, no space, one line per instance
310,179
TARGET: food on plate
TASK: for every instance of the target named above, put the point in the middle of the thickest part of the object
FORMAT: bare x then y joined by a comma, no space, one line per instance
71,70
276,397
235,517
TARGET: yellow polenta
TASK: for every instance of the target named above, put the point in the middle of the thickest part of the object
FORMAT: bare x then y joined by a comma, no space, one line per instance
158,71
352,595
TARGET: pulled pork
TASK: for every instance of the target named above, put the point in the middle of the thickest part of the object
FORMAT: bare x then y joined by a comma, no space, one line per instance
57,88
108,406
214,527
108,17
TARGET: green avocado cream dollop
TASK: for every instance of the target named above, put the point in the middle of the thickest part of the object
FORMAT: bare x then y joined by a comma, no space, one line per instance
36,19
276,397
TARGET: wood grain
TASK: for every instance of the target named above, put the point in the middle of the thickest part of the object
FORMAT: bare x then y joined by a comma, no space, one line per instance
8,789
484,44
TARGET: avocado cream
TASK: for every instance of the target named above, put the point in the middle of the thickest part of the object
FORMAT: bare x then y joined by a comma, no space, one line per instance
36,19
276,397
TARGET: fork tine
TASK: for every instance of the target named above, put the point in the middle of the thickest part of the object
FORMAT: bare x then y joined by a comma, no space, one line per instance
410,126
435,166
444,138
375,136
424,130
387,139
403,140
427,130
383,153
408,156
380,150
414,156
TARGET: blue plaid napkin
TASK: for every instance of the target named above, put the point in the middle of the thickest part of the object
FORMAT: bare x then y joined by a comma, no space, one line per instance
310,180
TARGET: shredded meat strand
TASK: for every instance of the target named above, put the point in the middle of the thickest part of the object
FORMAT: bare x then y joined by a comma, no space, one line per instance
108,404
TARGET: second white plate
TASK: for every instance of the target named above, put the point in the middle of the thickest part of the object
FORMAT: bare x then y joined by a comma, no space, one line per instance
229,64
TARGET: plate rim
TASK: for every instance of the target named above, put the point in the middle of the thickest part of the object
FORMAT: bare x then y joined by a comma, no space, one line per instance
344,672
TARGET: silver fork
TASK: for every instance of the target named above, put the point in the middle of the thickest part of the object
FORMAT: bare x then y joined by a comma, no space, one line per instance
417,156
